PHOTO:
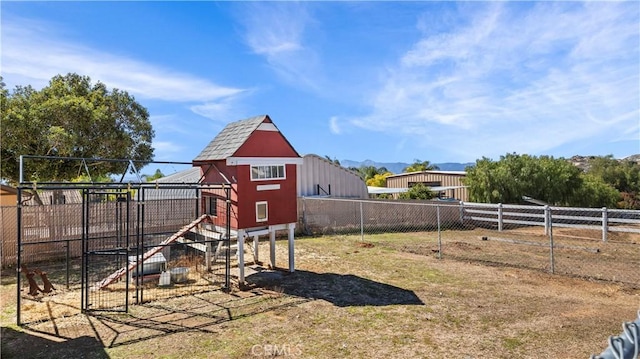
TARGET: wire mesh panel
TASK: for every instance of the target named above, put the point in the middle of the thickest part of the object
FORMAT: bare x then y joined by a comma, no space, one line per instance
595,243
106,242
49,257
179,268
116,248
9,244
184,261
101,246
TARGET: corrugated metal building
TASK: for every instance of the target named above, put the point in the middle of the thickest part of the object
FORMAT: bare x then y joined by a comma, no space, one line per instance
188,176
448,183
316,177
320,177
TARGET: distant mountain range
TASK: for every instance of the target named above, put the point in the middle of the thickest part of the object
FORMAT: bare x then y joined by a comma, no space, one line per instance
397,167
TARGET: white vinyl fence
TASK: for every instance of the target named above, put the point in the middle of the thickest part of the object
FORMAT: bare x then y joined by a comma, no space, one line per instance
599,219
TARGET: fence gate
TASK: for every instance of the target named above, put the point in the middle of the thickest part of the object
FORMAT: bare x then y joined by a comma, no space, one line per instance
106,238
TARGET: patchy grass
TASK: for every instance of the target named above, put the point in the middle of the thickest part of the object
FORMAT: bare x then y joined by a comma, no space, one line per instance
390,297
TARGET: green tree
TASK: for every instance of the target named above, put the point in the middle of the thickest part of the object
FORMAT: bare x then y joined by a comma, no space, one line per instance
419,166
379,180
419,191
607,183
84,178
594,192
150,178
71,117
623,175
334,160
514,176
369,172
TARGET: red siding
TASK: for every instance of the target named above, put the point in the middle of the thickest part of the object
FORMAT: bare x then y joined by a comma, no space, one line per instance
281,206
266,144
213,176
282,203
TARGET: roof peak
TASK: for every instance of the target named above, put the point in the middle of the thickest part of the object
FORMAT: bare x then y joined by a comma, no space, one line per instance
232,136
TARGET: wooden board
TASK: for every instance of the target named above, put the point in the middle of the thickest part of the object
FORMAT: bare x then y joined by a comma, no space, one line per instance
122,271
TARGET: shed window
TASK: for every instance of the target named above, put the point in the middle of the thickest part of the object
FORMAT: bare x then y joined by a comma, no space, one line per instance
267,172
261,212
212,205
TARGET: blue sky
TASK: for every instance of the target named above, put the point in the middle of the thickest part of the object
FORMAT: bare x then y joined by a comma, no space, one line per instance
387,81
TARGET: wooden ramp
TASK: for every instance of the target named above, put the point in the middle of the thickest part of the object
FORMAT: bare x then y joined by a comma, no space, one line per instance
124,270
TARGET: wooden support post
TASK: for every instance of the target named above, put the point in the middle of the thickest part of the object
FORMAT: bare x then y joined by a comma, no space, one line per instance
240,257
272,248
207,255
255,249
292,227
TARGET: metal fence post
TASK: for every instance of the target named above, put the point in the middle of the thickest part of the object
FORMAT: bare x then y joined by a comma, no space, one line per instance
551,244
439,232
499,217
361,223
605,223
19,249
68,264
462,213
305,230
227,225
547,212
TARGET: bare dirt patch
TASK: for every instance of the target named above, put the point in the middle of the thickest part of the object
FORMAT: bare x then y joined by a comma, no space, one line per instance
365,245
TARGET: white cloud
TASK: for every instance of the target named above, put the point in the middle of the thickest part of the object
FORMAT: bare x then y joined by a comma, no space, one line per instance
334,126
524,78
276,31
218,111
31,50
166,150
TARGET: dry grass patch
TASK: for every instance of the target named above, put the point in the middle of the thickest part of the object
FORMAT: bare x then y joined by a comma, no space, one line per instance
349,300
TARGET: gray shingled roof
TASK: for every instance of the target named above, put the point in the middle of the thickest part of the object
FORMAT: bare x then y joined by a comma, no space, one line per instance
227,142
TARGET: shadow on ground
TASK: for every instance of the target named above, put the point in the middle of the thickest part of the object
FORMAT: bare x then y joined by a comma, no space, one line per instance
343,290
204,312
266,290
17,344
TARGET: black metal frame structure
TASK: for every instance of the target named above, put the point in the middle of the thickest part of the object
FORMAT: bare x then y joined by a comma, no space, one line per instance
125,211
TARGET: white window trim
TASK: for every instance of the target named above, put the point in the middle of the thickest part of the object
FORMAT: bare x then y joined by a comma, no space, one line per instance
264,161
284,172
266,212
267,187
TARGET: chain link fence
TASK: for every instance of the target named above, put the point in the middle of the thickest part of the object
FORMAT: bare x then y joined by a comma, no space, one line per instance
601,244
8,231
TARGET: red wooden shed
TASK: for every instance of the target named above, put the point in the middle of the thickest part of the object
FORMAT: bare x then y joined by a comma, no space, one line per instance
255,158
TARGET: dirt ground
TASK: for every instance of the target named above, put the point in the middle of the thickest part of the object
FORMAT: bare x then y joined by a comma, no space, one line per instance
350,299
